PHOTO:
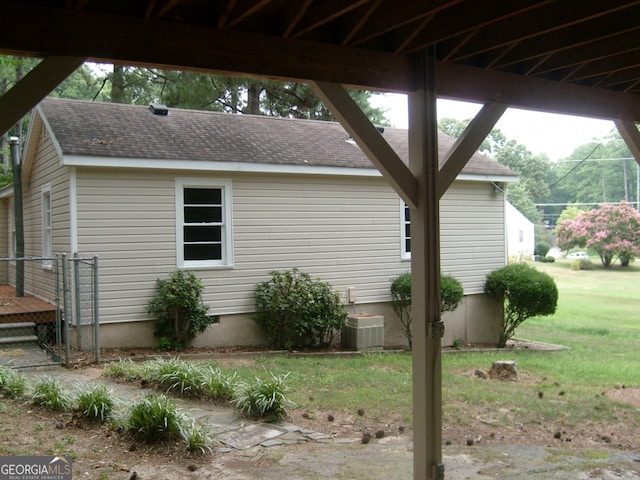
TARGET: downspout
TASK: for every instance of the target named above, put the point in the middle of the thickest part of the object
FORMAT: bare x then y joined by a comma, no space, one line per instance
16,169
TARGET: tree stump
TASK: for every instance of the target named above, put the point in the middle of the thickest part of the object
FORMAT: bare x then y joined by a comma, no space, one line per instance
504,370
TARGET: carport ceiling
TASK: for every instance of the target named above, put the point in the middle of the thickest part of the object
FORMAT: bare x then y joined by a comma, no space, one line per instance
572,56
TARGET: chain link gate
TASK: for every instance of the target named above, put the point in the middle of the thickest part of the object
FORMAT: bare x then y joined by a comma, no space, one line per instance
80,307
55,321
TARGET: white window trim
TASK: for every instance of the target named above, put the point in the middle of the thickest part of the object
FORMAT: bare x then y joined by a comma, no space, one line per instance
404,255
227,223
47,225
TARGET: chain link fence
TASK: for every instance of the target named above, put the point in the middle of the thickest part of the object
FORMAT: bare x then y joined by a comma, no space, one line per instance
48,310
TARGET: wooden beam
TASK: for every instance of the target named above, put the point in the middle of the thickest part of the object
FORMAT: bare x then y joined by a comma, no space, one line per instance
36,85
467,144
177,45
138,41
471,84
367,136
427,327
631,136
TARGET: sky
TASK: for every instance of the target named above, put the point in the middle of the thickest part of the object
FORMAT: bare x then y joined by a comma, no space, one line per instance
555,135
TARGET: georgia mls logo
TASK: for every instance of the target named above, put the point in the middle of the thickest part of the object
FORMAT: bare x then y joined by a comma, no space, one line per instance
35,468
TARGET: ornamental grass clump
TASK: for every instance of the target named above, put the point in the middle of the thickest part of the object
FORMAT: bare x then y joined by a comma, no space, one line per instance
12,383
264,399
124,369
523,292
217,385
197,438
96,402
49,392
186,378
156,417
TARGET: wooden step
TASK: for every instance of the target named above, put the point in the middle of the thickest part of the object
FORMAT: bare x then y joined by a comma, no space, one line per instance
20,339
8,326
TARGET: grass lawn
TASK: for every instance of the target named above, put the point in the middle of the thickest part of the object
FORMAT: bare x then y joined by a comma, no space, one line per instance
598,318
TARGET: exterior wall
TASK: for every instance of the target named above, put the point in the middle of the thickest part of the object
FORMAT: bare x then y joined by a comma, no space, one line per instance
344,229
47,171
472,239
520,235
474,322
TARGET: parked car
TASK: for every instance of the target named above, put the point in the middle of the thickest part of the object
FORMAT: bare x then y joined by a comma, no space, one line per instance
577,255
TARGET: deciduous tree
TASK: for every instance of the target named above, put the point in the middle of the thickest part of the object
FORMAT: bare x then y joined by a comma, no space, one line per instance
613,231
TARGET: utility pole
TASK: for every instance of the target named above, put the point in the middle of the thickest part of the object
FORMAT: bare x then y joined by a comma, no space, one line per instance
16,169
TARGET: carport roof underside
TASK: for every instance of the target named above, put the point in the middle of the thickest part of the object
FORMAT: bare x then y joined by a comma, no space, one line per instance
566,56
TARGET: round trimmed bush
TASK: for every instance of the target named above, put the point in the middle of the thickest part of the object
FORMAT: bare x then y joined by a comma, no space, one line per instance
524,292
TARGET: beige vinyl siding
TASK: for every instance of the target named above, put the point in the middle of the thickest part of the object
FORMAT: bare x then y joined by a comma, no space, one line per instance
344,229
47,170
472,235
127,219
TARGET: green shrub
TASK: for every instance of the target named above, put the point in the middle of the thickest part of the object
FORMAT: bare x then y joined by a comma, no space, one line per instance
451,293
542,248
523,292
586,264
263,399
293,309
49,392
401,302
96,402
582,264
178,310
156,417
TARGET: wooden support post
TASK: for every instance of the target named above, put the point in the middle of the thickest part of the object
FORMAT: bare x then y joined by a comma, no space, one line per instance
428,328
631,136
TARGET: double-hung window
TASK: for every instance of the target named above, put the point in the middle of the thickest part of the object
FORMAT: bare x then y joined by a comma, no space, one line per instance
405,234
203,223
47,226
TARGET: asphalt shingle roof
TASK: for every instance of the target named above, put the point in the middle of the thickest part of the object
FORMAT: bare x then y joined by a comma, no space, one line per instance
132,131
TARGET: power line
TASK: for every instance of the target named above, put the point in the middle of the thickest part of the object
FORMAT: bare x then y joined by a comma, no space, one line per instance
574,168
578,203
569,160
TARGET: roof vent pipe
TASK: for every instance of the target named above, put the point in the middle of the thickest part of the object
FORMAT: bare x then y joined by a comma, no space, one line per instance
159,109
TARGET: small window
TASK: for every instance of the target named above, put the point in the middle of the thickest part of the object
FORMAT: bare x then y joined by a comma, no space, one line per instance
203,226
520,236
405,234
47,226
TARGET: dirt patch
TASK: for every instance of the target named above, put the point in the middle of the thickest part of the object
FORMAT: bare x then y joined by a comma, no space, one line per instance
483,447
622,394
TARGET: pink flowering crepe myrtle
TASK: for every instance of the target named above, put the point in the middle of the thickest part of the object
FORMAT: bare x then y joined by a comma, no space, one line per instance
613,231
